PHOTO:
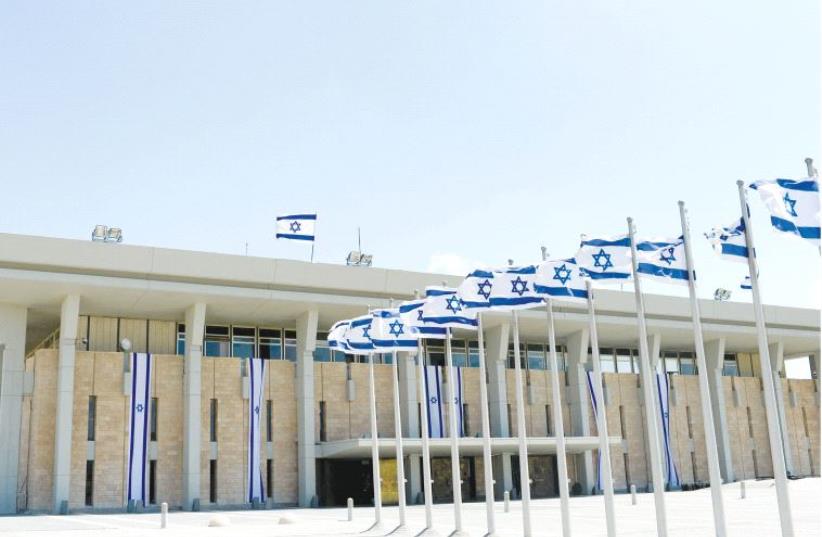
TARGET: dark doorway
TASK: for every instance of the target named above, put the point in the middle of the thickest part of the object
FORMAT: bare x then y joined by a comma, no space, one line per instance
338,480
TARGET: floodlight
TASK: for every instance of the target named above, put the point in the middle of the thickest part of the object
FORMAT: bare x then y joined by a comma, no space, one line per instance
353,258
115,234
99,233
366,260
125,344
721,295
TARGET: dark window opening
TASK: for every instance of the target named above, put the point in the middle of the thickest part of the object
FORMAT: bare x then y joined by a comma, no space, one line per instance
152,482
269,478
269,433
153,420
92,416
323,432
212,481
89,483
212,421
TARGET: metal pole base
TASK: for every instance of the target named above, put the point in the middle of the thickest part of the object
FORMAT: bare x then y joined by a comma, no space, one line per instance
428,532
376,527
459,533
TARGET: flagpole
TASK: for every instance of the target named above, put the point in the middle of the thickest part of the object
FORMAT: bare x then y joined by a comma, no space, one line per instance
600,417
559,432
704,391
426,450
375,451
398,440
486,435
774,435
524,474
456,474
649,396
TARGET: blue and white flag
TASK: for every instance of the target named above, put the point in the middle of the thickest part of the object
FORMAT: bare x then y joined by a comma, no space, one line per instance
475,290
560,279
729,242
746,284
138,427
358,335
443,308
663,260
436,397
389,332
671,476
794,205
607,259
595,408
336,336
411,314
256,379
514,289
296,226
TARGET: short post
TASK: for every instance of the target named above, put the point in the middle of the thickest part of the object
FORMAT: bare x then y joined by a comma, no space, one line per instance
633,494
350,504
506,500
742,490
163,515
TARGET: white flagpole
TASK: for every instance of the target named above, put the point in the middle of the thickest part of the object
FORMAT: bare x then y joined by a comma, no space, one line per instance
524,474
704,392
774,435
651,415
456,474
375,451
600,417
426,450
559,427
398,440
486,435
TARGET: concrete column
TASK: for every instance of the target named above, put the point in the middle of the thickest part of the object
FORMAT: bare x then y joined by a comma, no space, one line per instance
715,357
777,352
579,402
496,358
306,465
192,394
69,316
409,408
654,350
12,368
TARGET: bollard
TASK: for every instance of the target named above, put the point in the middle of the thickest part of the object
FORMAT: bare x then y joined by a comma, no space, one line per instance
506,500
633,494
742,490
350,503
163,515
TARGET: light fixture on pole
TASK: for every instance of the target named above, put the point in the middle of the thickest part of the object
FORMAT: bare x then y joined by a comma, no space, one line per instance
103,233
721,295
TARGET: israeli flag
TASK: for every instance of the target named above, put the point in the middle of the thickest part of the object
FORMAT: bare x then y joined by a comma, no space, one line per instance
443,308
794,205
607,259
138,427
595,407
389,332
358,335
560,279
435,392
663,260
256,380
296,226
514,289
475,290
336,336
671,476
729,242
411,314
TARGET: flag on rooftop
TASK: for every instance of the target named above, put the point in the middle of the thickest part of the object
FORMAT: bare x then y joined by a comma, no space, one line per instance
444,308
411,315
514,288
794,205
560,279
296,226
663,260
390,332
606,259
729,242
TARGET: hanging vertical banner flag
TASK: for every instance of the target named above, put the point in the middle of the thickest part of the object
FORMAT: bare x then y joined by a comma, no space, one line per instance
336,336
663,260
390,332
138,426
607,259
794,206
729,242
514,288
560,279
411,314
596,412
256,379
671,476
358,335
435,393
475,290
443,307
296,227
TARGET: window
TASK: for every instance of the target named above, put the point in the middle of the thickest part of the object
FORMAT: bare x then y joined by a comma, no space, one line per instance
92,418
268,421
321,352
212,481
89,483
624,364
536,356
560,358
216,341
269,478
243,342
458,353
687,366
549,427
323,432
291,345
473,354
271,345
152,482
466,422
153,420
671,362
435,352
511,356
606,359
212,421
730,368
181,338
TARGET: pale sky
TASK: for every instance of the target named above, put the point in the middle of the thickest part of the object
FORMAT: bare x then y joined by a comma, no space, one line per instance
453,133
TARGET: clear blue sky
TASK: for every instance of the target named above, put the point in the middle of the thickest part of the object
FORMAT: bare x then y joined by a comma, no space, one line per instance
453,133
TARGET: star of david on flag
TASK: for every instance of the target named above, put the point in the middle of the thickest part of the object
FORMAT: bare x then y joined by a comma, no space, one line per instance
475,290
606,259
794,206
389,331
411,315
663,260
729,242
357,337
560,279
443,308
296,227
514,288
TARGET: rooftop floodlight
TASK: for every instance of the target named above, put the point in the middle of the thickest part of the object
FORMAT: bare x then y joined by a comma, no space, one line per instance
353,258
366,260
114,234
125,344
721,295
99,233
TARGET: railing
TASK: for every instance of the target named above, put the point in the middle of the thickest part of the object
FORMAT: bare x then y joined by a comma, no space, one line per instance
51,341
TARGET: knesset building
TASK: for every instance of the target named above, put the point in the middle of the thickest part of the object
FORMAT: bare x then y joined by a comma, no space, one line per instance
65,305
